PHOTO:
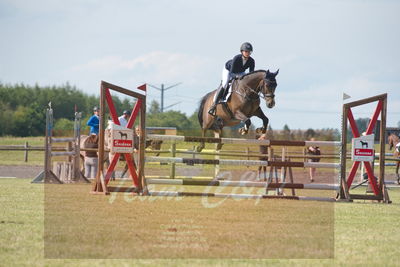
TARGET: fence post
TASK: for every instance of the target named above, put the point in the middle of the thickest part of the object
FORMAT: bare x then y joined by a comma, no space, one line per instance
173,154
26,151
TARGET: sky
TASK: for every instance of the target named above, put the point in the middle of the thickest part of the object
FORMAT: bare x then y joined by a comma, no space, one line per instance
322,49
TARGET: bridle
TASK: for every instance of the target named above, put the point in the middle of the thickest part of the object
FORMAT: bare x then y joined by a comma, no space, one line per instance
260,89
263,84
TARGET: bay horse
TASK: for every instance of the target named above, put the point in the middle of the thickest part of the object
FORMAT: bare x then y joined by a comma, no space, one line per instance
394,141
243,104
153,144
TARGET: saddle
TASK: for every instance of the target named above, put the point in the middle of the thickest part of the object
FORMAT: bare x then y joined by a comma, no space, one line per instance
228,86
221,98
224,104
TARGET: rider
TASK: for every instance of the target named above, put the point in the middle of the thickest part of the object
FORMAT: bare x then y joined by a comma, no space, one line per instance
232,69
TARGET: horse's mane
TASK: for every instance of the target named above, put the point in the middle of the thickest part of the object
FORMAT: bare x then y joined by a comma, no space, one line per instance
256,73
254,77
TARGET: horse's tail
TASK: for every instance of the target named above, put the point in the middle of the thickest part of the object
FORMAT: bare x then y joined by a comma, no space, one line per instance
201,108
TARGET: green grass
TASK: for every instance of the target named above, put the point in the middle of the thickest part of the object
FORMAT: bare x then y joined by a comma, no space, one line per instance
79,225
17,157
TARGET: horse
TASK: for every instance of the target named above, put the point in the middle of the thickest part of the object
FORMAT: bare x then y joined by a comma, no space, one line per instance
243,103
394,141
153,144
85,143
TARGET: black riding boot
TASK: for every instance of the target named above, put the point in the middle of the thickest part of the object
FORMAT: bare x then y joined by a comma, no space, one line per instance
213,108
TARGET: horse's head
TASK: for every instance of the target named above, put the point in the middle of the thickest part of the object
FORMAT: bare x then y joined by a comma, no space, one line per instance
269,85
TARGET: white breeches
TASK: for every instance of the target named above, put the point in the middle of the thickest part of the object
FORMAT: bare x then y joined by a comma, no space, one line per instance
225,76
225,79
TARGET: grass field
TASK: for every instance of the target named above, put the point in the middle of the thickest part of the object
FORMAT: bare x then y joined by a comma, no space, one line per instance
63,225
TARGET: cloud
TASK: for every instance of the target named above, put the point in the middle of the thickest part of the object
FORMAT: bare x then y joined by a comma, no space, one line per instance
156,66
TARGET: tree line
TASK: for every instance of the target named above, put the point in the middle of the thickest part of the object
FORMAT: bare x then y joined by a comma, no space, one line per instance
23,114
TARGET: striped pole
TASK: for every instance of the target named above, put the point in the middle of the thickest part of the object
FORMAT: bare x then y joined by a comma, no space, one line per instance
235,196
205,182
191,161
242,141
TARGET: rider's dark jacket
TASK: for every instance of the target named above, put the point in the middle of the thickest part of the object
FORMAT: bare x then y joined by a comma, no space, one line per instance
235,65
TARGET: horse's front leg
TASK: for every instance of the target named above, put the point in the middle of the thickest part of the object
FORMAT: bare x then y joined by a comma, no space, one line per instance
218,134
244,130
260,114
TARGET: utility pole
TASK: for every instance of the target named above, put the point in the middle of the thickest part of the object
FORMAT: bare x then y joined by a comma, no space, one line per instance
163,89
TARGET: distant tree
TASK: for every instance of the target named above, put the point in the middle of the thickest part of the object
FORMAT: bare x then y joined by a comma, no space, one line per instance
270,132
286,132
168,119
194,120
26,121
154,107
64,125
6,119
22,108
362,124
310,133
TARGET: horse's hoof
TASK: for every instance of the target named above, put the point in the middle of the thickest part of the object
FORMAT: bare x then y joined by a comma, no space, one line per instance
243,131
219,146
260,130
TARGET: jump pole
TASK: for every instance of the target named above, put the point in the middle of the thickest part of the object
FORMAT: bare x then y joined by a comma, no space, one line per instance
236,196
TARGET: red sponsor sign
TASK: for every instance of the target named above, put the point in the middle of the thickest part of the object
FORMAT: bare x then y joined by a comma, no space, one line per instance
122,143
363,152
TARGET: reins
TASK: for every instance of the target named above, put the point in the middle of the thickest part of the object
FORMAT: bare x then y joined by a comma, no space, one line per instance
256,91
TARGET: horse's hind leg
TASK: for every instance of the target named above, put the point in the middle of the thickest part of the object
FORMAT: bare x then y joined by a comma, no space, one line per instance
200,147
218,134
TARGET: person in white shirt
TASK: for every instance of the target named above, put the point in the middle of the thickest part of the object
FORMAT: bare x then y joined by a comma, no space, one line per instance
123,120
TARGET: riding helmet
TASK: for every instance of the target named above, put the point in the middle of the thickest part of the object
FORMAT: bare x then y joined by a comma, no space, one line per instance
246,47
126,112
96,108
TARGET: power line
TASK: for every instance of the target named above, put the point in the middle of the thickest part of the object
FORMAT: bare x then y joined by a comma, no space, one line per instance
162,89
